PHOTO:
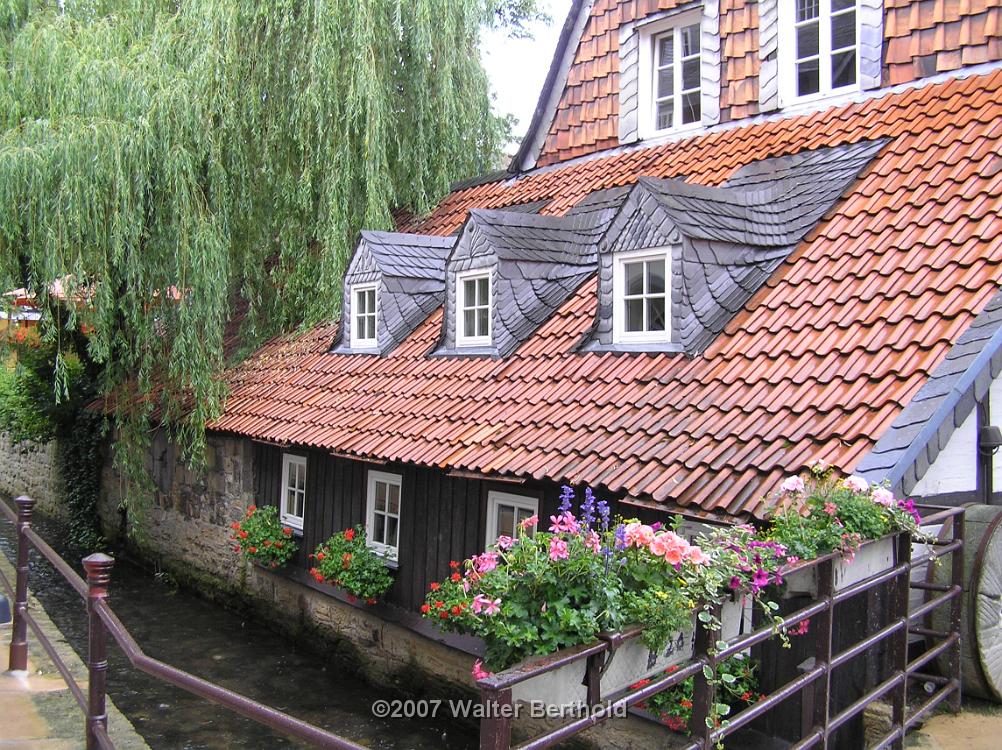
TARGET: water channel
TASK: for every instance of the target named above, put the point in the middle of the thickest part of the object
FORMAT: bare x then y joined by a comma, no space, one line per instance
221,645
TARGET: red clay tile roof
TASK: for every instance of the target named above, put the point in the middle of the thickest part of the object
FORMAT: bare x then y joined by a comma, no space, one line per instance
817,365
922,38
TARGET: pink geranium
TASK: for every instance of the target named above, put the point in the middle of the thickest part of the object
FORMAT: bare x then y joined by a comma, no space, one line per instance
479,673
565,522
857,484
505,542
486,605
696,556
486,562
792,486
593,542
529,523
638,535
883,496
558,549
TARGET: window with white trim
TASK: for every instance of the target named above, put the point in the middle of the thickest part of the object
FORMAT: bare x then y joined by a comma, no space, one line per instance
676,78
641,298
293,500
506,511
473,308
383,513
819,48
363,316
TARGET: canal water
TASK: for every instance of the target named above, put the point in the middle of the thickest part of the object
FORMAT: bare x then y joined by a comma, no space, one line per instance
209,641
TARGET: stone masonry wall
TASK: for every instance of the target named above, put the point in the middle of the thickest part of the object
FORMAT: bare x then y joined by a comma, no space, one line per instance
29,468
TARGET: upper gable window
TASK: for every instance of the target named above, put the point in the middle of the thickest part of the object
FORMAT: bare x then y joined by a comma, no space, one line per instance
473,308
819,47
642,303
676,78
364,316
671,84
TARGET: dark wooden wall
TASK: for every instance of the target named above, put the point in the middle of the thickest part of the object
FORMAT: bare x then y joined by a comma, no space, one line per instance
442,518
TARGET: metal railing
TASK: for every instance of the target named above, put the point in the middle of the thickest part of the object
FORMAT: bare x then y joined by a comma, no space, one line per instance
815,683
102,621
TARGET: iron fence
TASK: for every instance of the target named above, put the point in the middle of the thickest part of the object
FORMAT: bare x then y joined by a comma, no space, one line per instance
814,683
102,621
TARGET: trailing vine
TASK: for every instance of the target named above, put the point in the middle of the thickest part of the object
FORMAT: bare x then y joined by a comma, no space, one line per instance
79,457
178,165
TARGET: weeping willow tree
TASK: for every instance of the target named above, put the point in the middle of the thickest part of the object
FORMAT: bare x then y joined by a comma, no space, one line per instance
172,161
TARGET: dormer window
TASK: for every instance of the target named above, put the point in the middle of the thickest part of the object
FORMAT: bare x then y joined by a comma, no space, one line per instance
818,47
364,316
676,80
473,316
641,306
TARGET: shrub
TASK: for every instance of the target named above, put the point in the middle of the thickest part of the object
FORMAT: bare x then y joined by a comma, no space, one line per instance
346,561
263,538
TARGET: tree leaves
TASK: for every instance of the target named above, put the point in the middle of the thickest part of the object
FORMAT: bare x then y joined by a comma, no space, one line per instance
175,164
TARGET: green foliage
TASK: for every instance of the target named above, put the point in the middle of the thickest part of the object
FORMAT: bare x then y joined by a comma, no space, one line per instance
346,561
263,538
737,687
166,160
79,457
822,513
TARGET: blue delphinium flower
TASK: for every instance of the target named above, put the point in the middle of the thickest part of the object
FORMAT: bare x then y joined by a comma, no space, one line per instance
621,536
603,514
566,498
588,509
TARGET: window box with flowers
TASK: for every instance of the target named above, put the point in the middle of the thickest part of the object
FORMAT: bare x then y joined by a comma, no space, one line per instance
530,596
261,538
349,563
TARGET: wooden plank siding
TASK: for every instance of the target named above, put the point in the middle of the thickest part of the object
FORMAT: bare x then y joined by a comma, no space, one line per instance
442,518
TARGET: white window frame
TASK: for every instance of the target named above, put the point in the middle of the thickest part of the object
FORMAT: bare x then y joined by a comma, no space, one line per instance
289,519
366,343
386,550
788,55
619,261
647,80
495,498
462,340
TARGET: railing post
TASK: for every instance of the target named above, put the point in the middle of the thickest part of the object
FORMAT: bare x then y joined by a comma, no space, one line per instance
899,592
19,629
495,726
704,649
823,627
98,567
956,607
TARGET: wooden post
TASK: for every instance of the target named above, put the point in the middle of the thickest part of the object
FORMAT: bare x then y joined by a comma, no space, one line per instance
957,560
495,727
822,628
899,641
593,677
19,628
703,694
98,567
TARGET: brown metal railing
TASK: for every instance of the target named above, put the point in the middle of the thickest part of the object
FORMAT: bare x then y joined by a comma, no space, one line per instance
101,622
814,684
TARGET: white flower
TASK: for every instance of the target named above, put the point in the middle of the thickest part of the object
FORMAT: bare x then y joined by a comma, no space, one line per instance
857,484
792,485
882,496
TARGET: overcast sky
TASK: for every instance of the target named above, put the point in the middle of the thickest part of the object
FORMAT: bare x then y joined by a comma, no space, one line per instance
517,67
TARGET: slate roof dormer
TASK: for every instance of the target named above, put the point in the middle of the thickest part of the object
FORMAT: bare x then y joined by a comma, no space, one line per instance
409,273
723,242
535,263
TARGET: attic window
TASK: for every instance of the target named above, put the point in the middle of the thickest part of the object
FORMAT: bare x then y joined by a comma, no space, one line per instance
364,316
473,303
641,305
676,78
819,44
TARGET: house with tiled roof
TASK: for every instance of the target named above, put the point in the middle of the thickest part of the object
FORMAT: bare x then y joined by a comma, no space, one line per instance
738,237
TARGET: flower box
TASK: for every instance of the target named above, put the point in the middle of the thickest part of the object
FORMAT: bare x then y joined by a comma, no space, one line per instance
871,559
631,662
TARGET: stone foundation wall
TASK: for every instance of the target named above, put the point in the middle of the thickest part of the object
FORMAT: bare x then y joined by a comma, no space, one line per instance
29,468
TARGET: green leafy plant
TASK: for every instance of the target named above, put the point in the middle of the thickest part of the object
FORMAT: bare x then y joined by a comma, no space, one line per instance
737,687
346,561
261,537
